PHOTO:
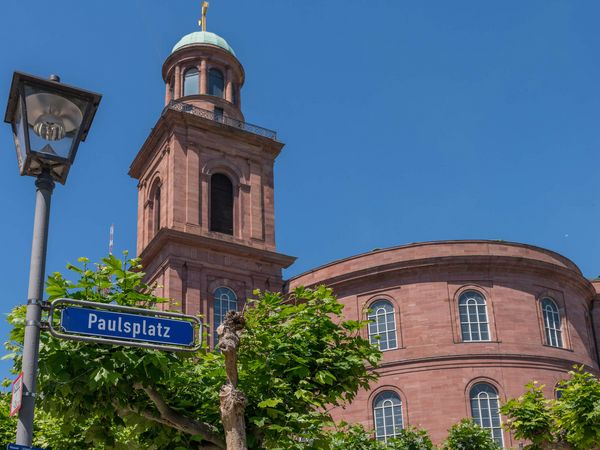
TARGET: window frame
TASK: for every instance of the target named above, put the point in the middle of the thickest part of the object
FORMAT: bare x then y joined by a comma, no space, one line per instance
373,411
547,329
460,294
210,82
396,329
184,76
499,397
150,208
214,323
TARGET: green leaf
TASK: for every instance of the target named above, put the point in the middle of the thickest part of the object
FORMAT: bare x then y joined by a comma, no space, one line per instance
270,403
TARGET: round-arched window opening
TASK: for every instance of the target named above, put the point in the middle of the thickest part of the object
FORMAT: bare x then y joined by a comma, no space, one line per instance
472,310
485,410
216,83
382,325
191,82
221,204
387,414
552,323
224,300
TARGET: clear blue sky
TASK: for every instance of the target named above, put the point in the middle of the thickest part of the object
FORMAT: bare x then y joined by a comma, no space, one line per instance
404,121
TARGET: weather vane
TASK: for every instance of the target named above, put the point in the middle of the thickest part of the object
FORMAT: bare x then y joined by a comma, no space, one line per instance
202,22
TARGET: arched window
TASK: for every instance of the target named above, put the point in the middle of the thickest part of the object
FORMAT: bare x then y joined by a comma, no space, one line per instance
156,210
552,323
558,390
382,326
485,410
190,82
387,414
216,83
473,317
224,300
221,204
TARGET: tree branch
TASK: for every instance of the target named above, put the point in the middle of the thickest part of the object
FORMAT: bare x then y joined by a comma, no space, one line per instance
170,417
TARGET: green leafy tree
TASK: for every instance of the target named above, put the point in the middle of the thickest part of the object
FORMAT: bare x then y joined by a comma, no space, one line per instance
467,435
355,437
296,355
570,422
529,417
57,434
412,439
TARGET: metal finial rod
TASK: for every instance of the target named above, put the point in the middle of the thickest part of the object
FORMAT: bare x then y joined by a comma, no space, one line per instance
202,21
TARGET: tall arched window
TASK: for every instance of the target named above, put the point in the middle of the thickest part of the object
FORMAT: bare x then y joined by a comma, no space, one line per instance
221,204
224,300
216,83
190,81
156,210
473,317
552,323
485,410
382,326
387,414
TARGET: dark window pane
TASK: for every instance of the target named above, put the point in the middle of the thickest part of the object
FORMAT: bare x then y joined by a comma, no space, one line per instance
221,204
190,82
156,210
218,114
216,83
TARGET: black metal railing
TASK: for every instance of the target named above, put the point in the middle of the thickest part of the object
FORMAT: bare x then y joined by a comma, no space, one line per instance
220,118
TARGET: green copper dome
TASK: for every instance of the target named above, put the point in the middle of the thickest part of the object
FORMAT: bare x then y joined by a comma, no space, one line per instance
203,37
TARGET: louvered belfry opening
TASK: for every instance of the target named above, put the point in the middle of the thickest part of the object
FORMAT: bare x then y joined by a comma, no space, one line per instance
221,204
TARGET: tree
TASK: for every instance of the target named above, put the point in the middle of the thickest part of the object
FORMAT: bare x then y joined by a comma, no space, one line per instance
296,355
571,421
355,437
467,435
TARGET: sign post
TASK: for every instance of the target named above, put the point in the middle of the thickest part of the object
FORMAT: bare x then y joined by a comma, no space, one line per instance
17,395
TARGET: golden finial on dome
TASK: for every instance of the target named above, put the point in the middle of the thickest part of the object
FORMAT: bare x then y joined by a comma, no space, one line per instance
202,22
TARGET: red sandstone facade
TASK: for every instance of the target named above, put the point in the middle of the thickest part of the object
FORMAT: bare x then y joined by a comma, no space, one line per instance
431,368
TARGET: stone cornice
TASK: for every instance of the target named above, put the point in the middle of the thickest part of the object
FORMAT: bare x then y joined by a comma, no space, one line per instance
166,236
171,119
479,360
450,257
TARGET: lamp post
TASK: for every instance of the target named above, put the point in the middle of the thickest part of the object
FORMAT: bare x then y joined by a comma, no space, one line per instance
48,120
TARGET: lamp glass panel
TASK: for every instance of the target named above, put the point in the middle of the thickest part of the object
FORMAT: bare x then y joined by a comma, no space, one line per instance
53,123
19,133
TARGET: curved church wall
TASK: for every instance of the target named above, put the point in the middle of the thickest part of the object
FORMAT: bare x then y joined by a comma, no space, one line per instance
435,359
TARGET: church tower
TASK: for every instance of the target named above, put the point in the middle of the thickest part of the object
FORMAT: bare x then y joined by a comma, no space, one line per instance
206,228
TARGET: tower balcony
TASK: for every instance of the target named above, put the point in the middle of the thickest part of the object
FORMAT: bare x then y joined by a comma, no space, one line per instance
219,116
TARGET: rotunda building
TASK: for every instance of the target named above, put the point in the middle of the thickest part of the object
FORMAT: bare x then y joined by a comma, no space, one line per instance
463,326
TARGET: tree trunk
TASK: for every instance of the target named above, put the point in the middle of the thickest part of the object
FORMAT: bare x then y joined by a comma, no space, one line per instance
233,401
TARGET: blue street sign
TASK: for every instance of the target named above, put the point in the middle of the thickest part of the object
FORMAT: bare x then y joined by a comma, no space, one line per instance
21,447
136,327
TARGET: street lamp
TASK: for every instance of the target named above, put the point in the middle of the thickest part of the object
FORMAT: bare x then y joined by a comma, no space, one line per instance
48,120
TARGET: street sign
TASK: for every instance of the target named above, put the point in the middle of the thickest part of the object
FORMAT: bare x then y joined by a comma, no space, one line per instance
122,325
95,322
21,447
17,395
